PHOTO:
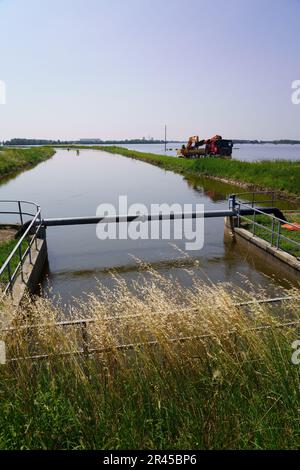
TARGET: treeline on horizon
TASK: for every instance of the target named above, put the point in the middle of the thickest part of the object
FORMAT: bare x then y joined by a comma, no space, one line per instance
22,141
80,141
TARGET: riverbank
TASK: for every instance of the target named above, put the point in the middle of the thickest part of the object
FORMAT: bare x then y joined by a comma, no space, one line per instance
227,383
13,160
280,176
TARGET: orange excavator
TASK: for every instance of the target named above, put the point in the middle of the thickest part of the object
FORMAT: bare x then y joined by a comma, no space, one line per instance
196,148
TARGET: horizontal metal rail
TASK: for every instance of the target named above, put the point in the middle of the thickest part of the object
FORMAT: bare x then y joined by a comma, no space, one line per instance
86,351
149,217
253,194
19,210
17,213
85,321
261,210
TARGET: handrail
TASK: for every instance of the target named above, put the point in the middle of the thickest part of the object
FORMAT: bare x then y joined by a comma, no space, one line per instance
274,233
20,200
34,225
270,215
6,262
290,240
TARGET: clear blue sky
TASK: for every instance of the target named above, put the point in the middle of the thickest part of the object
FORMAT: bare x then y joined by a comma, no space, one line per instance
121,69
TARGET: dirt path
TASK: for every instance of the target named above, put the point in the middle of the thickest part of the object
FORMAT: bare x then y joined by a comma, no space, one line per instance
7,233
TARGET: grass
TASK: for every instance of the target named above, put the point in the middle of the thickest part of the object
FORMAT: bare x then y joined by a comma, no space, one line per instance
284,244
13,160
234,388
6,248
283,176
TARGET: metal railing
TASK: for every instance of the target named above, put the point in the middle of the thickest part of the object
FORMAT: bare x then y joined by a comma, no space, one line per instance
273,228
86,349
13,265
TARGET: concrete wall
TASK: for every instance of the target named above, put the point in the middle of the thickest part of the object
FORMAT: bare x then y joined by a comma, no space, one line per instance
286,263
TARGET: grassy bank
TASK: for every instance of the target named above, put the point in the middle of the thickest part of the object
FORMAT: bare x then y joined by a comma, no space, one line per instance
13,160
283,176
6,248
236,388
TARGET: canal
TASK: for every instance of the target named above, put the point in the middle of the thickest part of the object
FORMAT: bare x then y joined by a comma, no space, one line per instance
74,185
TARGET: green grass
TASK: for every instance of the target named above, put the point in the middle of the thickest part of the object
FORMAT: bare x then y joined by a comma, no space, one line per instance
283,176
6,248
278,175
264,233
13,160
224,391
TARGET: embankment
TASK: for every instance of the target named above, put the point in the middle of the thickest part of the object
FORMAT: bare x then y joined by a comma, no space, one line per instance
13,160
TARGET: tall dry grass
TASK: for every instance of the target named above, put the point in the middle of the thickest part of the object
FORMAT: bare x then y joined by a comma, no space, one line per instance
167,368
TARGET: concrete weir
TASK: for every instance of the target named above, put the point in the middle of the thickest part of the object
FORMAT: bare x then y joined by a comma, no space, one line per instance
26,277
287,263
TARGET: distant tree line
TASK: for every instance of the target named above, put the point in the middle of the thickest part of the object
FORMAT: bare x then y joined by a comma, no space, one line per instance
81,142
30,142
282,141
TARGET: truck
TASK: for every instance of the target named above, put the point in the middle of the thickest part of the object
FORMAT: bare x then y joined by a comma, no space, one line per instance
215,146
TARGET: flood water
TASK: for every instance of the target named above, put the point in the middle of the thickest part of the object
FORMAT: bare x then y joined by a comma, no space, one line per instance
74,185
244,152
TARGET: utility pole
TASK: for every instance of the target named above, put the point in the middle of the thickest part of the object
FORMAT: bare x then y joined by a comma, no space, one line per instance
165,137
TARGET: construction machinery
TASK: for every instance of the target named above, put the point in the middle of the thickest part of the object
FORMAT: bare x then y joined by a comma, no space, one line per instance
196,148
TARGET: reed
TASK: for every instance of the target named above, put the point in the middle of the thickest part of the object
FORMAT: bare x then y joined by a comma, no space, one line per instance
201,372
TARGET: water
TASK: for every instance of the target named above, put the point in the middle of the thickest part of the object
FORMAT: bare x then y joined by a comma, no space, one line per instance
245,152
74,185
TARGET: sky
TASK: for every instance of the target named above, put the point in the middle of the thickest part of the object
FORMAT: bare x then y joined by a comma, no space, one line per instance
116,69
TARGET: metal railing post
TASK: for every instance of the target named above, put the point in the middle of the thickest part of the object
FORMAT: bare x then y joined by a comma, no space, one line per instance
20,212
21,262
278,234
272,234
232,202
35,238
29,252
9,279
85,340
